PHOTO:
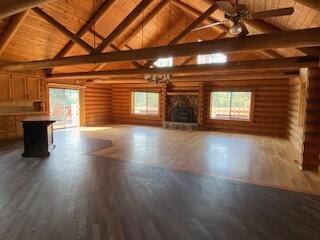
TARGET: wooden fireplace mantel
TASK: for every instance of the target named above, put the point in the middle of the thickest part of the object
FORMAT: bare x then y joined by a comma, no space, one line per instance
182,93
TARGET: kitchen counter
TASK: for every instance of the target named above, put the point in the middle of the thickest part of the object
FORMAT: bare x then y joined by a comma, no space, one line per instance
38,136
40,119
22,113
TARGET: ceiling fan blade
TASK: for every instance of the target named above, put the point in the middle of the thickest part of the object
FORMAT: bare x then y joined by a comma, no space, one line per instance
208,26
226,6
273,13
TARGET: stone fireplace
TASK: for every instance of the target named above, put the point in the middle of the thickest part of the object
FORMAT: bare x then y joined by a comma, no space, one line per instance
181,112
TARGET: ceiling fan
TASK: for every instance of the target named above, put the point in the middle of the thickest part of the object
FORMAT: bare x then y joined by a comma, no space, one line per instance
240,12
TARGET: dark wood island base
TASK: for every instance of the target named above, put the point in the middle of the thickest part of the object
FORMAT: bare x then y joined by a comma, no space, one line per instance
38,136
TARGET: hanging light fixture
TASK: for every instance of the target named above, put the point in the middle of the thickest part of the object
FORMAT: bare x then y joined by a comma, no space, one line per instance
159,78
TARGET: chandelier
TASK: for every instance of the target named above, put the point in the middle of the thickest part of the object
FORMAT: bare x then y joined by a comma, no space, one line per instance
157,78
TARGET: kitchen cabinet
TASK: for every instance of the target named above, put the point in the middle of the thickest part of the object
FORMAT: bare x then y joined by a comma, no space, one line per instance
33,89
20,87
18,83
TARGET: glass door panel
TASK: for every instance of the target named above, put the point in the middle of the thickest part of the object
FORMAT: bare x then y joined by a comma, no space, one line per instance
64,106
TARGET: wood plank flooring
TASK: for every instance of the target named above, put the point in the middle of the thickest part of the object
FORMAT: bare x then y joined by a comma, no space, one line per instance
259,160
76,195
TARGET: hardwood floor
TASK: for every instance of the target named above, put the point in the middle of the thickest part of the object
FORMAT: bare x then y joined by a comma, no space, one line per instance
259,160
75,194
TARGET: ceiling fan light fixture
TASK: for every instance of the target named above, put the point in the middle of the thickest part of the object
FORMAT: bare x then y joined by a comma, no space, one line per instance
236,29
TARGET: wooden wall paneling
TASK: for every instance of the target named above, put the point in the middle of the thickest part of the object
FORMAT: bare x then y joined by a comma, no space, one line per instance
7,127
311,145
5,87
98,104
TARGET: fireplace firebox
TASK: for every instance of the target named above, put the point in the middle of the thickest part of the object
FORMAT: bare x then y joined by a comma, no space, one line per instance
183,114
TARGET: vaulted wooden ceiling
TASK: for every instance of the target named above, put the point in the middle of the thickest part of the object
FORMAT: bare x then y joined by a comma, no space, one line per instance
158,24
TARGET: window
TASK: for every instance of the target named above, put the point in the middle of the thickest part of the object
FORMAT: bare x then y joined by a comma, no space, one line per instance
230,106
211,58
145,103
164,62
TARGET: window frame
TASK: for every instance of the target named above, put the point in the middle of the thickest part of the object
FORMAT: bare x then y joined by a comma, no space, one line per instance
250,121
164,58
132,113
211,55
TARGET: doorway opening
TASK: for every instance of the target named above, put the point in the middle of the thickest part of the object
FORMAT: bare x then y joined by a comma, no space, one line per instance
65,107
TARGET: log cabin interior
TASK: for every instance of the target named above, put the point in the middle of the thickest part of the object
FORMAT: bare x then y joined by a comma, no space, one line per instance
172,119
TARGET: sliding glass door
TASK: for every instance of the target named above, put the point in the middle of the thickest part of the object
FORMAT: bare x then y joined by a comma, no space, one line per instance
64,106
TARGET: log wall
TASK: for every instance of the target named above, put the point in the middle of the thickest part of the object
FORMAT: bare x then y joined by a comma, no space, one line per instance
311,146
98,104
296,109
121,104
269,110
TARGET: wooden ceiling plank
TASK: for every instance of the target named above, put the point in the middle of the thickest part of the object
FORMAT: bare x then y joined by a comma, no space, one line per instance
314,4
252,65
135,31
144,23
9,8
188,29
221,27
12,29
123,25
95,17
71,36
288,39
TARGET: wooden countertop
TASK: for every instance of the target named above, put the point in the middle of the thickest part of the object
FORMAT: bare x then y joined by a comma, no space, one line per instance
22,113
39,119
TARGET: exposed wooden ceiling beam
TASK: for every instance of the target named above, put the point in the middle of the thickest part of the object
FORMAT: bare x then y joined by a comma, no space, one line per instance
11,7
94,18
71,36
87,26
314,4
265,27
289,39
282,63
114,47
136,30
12,29
258,75
188,29
221,27
123,25
191,58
